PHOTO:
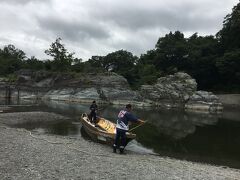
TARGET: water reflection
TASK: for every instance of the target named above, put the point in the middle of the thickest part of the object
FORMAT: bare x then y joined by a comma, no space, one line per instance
186,135
14,101
60,127
175,123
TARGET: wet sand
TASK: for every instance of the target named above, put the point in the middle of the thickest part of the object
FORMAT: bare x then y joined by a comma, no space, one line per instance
28,155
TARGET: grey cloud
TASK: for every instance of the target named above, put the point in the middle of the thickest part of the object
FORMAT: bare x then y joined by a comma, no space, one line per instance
144,19
105,26
132,46
138,43
73,30
179,16
20,1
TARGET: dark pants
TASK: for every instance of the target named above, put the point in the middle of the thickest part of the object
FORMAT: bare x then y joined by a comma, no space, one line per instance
120,137
93,116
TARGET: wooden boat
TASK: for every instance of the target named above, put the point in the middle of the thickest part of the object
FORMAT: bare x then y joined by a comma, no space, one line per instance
104,131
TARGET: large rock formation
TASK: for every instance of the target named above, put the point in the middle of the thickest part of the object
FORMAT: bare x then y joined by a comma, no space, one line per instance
178,90
104,87
170,91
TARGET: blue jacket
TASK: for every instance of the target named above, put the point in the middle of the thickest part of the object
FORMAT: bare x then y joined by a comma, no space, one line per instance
123,118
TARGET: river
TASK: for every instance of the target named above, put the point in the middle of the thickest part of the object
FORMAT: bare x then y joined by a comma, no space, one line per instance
201,137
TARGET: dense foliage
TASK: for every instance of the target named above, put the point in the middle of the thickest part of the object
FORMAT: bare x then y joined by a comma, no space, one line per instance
214,61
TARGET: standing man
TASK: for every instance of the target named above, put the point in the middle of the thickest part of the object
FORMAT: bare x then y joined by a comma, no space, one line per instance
124,117
93,112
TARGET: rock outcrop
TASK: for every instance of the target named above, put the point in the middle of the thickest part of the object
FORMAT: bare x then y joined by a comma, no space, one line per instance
178,90
170,91
103,87
203,100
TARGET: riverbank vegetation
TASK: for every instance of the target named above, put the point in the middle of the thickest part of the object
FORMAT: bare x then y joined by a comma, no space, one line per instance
214,61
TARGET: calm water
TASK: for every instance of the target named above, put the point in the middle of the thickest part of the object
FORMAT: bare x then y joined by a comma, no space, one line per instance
192,136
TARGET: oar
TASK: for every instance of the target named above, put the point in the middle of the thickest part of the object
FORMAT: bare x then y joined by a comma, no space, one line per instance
138,126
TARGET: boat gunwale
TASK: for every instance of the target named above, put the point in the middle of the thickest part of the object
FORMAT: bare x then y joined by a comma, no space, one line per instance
98,131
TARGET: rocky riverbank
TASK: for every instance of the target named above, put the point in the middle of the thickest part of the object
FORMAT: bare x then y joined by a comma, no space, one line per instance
28,155
231,100
174,91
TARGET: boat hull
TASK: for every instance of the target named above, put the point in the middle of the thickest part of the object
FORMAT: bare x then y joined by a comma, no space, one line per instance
100,135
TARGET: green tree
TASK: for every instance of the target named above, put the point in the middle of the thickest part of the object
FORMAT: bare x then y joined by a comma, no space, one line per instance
229,70
11,59
48,65
97,64
229,35
148,74
148,58
10,51
33,63
121,62
201,62
62,59
228,64
172,50
96,61
195,55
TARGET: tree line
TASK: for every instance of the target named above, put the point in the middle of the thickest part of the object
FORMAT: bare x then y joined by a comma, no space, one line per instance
214,61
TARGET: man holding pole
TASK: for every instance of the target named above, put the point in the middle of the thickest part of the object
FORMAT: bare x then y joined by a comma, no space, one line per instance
124,117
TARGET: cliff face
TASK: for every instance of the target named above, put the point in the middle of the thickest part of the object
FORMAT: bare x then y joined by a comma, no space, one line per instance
105,87
178,90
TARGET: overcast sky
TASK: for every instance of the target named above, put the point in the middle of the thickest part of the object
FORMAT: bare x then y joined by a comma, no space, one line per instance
99,27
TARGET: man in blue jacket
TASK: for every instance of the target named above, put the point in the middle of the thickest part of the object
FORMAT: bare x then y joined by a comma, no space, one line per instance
124,117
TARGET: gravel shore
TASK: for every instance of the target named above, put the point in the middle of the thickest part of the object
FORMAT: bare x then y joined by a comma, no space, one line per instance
27,155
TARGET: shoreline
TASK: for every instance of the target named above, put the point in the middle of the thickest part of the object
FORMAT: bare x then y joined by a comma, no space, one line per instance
28,155
230,100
